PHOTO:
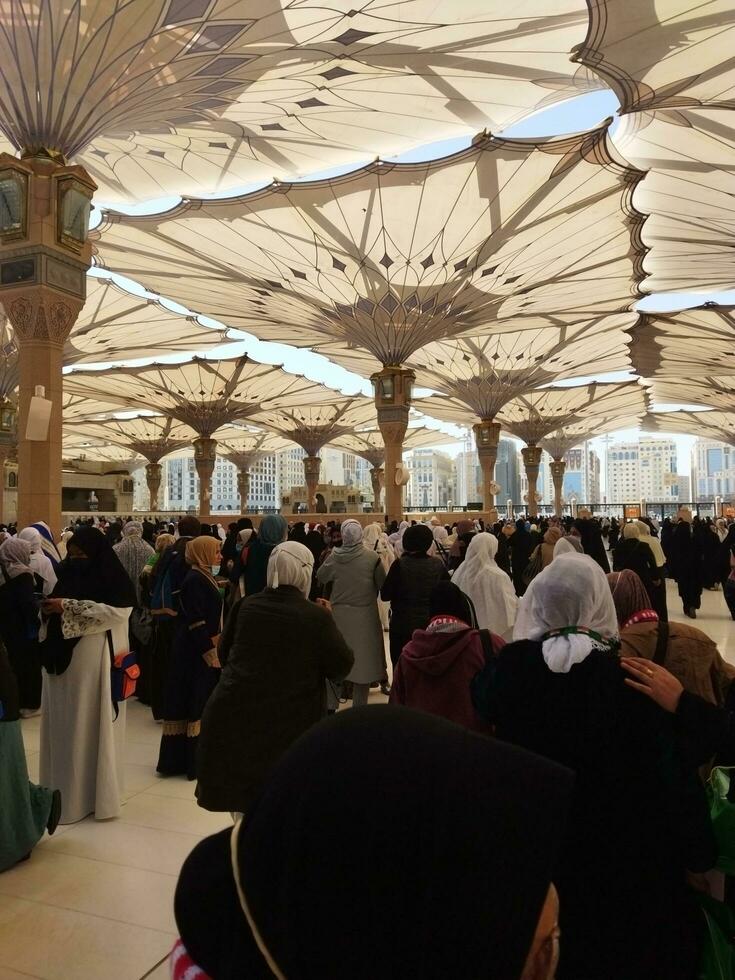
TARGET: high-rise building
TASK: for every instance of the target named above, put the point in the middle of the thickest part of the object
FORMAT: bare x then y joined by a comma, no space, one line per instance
582,475
713,470
431,482
468,474
180,485
646,469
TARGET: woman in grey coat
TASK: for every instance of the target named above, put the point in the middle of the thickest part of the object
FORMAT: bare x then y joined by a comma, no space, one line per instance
355,576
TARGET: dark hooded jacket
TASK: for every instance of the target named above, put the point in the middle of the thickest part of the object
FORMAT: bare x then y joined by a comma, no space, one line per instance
435,673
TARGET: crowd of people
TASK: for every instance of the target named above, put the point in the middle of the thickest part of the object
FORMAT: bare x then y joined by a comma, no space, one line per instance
539,769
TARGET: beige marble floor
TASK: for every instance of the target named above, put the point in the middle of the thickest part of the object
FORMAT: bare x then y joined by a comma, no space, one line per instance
95,900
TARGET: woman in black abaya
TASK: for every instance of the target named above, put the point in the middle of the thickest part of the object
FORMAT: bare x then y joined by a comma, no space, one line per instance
461,891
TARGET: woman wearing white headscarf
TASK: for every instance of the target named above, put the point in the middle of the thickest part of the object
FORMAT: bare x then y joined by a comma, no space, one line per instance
397,539
40,563
375,539
353,576
488,586
564,546
559,691
277,652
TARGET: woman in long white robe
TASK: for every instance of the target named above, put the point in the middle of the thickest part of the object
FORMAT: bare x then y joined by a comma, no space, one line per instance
82,743
488,586
375,539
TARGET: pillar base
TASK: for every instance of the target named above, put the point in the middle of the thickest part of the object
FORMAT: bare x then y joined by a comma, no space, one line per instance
205,458
532,462
312,469
393,387
153,473
487,437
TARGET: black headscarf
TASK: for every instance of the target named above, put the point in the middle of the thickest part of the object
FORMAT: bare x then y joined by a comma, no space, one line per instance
298,533
447,599
100,577
449,863
315,543
417,539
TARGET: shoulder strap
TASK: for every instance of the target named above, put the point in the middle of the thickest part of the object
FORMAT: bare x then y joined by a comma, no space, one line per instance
662,642
111,649
487,644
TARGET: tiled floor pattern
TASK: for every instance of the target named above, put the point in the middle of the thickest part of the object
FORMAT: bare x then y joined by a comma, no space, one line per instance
95,900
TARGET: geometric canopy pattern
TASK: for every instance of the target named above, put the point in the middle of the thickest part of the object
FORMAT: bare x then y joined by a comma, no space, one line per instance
486,372
689,343
371,266
204,395
151,436
687,195
313,426
535,415
717,425
370,446
160,97
712,391
670,64
115,325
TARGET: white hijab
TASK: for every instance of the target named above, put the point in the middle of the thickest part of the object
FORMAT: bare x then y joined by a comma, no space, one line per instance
290,563
571,591
564,547
375,539
487,585
40,564
397,539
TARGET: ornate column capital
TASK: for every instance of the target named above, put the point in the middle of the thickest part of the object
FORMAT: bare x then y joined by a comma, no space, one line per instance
531,456
153,473
487,437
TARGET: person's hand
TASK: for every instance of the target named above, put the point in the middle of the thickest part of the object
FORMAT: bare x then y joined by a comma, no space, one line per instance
51,606
325,604
654,681
211,659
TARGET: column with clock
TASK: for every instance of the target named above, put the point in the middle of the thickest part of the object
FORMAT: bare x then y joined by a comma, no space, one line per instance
44,257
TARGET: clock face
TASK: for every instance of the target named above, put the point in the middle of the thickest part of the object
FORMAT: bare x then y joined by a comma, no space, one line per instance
75,211
11,204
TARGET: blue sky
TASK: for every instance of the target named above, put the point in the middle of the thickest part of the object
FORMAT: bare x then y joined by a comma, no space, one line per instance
575,115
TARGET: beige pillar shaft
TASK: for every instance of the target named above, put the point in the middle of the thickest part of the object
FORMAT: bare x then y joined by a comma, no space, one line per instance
393,388
487,437
153,481
4,453
532,462
312,469
243,488
205,457
377,478
39,461
558,468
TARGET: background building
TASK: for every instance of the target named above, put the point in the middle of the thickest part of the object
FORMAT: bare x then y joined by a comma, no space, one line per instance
712,469
432,479
645,469
582,475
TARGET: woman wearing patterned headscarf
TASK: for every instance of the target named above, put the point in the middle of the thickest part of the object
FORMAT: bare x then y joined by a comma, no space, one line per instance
277,651
353,576
195,666
559,690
